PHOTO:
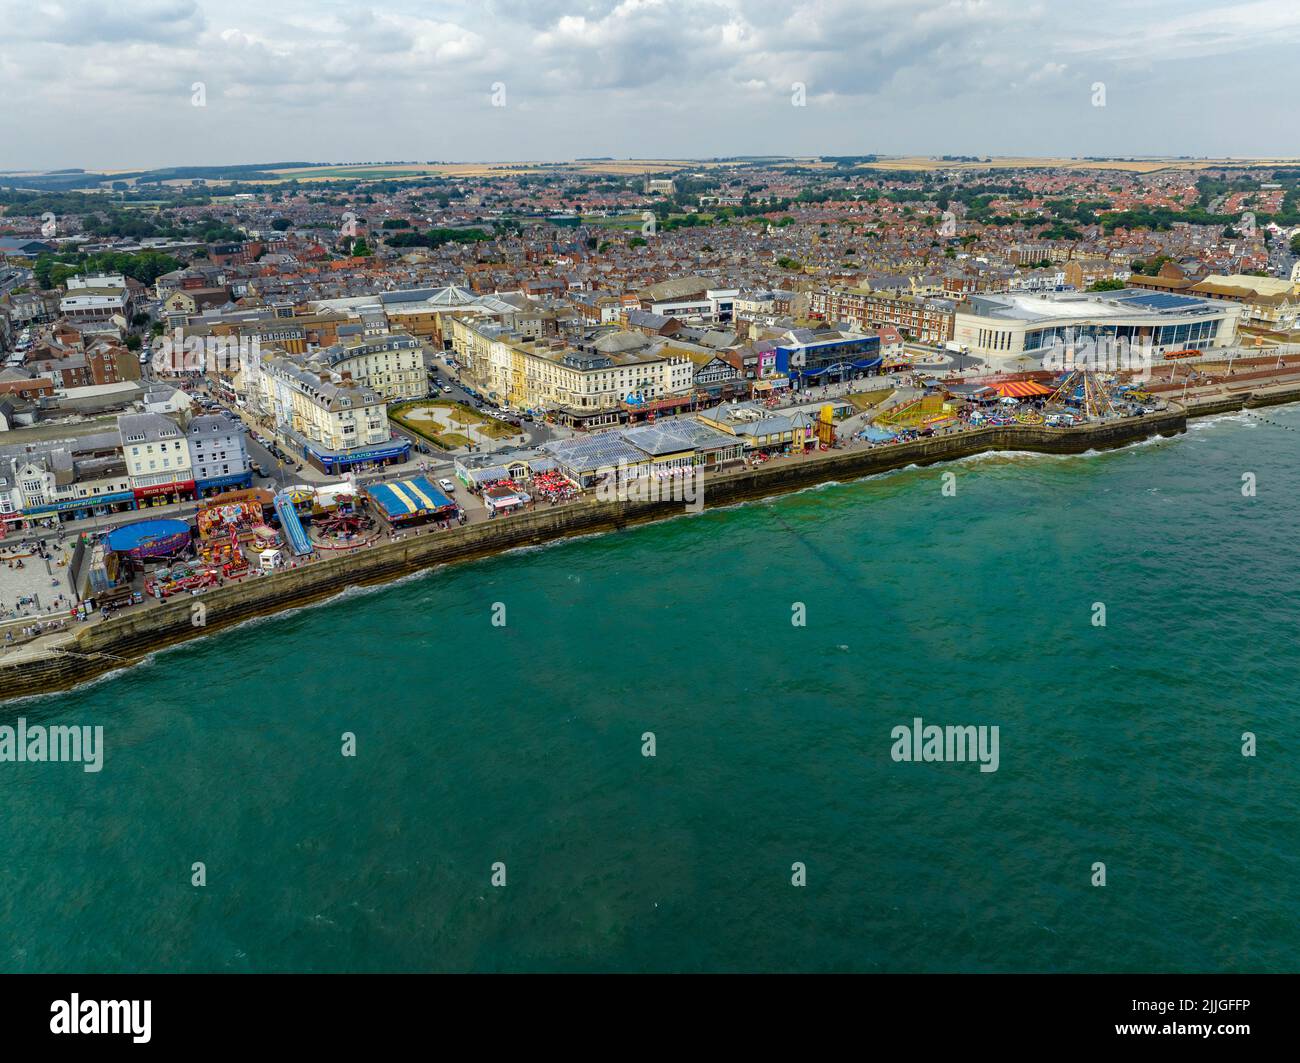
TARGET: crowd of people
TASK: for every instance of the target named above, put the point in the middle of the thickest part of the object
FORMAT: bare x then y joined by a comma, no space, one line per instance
554,487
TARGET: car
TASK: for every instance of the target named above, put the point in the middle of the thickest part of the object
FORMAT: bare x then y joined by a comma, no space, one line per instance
257,468
445,389
447,486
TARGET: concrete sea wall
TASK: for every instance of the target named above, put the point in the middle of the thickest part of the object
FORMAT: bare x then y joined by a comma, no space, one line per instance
126,638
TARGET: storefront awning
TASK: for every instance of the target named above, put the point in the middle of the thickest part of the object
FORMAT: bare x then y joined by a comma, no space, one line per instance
76,503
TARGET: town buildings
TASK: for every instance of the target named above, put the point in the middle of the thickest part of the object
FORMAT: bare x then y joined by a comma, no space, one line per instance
336,422
929,320
582,385
158,459
218,454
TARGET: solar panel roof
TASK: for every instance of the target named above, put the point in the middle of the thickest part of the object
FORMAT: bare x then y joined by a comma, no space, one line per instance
1163,301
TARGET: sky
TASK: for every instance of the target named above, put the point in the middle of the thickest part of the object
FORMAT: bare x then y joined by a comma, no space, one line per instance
113,84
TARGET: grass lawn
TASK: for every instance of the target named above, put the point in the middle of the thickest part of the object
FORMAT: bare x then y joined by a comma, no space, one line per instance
498,430
865,400
457,412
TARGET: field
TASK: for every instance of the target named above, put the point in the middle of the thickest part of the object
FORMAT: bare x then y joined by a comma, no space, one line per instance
416,172
1135,165
413,171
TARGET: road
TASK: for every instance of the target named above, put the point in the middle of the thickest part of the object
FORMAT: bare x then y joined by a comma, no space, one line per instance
12,277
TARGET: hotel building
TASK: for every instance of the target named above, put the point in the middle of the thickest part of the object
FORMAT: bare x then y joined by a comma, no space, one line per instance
580,386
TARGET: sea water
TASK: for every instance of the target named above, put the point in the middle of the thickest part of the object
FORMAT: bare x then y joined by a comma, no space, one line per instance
501,713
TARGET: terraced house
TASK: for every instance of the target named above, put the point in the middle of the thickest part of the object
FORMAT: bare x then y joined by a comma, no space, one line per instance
70,480
927,320
157,458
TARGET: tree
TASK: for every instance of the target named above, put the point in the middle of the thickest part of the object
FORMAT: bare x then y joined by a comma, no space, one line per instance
1295,244
281,224
1107,285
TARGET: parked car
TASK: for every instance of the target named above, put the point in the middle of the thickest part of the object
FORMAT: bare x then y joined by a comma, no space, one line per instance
447,486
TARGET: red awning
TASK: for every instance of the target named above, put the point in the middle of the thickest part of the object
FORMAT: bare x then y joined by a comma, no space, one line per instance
161,489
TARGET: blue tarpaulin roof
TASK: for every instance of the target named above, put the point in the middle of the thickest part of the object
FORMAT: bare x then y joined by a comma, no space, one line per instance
149,538
408,498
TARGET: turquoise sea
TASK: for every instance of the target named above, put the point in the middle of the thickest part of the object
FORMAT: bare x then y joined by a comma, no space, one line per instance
522,744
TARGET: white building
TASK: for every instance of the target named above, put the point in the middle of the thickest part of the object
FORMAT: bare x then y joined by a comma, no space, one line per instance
1019,329
391,364
218,454
98,298
157,457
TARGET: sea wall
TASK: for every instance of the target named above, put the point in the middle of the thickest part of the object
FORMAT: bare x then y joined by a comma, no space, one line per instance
1244,399
133,634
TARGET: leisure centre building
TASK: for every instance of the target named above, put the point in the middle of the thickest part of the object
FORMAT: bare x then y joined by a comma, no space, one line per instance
1017,329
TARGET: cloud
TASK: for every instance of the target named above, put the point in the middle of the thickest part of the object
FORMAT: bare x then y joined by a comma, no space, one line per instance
78,23
1185,33
405,79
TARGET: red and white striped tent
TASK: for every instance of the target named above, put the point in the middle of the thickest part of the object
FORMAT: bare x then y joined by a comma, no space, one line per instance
1021,389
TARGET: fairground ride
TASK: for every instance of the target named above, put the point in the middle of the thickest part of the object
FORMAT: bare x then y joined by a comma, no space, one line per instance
1086,390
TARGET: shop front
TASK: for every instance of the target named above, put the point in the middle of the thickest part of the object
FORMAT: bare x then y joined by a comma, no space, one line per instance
394,452
84,508
218,484
164,494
